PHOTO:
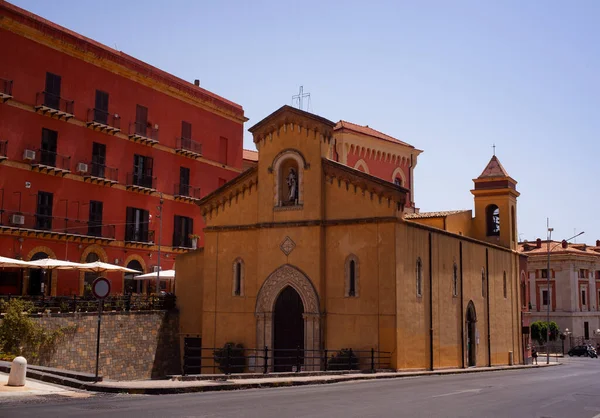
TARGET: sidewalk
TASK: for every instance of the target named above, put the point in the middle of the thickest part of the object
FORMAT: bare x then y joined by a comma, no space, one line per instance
160,387
33,387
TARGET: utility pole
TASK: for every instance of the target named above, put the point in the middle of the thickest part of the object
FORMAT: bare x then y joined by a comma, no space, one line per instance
160,219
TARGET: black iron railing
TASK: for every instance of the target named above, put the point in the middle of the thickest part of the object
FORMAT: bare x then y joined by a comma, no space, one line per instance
186,144
138,235
3,148
43,222
105,118
67,304
138,129
103,171
231,359
185,190
52,101
141,180
52,159
6,86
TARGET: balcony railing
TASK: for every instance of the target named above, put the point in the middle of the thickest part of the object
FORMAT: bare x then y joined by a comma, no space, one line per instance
143,132
182,241
48,223
137,180
104,121
48,159
101,171
6,87
54,105
3,149
133,234
186,191
188,147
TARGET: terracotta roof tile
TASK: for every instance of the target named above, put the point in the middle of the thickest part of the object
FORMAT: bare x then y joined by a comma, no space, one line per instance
494,169
530,248
440,214
250,155
366,130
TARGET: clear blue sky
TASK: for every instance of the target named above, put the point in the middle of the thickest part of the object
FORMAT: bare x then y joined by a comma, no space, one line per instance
450,77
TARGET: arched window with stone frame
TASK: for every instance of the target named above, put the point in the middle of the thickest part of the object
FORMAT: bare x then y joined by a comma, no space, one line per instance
351,272
492,220
455,280
239,271
419,277
288,168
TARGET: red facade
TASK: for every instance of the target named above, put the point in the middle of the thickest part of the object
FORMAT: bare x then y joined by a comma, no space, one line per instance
86,133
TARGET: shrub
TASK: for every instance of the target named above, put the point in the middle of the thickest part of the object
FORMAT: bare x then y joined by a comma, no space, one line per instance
344,359
231,358
538,331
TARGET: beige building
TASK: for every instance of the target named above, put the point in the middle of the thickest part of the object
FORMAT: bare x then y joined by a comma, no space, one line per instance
305,252
574,295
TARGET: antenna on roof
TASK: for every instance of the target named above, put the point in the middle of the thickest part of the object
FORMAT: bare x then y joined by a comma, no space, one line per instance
299,98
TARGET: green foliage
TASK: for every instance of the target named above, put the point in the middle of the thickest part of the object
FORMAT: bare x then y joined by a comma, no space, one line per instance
538,331
345,359
230,358
22,335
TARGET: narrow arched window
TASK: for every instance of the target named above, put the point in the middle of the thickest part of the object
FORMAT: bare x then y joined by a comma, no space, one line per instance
352,276
483,282
419,277
492,220
504,286
455,280
238,278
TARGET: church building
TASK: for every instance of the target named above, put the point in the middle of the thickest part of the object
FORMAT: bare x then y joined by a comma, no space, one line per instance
319,247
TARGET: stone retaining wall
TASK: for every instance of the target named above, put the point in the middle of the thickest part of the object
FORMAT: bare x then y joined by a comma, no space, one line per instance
133,345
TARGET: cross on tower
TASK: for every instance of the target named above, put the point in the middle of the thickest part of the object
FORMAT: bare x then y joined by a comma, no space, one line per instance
300,97
494,148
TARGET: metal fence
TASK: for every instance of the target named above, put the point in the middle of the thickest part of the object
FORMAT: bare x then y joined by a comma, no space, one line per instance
232,359
66,304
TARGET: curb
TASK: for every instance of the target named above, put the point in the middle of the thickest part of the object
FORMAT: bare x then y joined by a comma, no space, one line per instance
289,383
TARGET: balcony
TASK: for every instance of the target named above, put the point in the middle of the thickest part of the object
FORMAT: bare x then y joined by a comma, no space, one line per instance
5,90
143,133
54,106
48,162
186,193
141,183
138,238
99,173
3,150
102,121
188,148
22,223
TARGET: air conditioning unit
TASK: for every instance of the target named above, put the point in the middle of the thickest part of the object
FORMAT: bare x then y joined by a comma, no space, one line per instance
17,219
29,154
82,167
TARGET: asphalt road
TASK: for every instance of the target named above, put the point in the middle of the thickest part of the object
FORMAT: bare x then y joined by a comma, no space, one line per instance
570,390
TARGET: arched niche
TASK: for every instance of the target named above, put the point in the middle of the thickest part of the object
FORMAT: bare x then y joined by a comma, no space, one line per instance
288,168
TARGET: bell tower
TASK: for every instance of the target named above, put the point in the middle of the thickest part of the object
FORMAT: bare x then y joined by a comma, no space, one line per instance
496,206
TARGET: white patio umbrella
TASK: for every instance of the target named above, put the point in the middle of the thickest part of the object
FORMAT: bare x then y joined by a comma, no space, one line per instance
52,264
164,274
100,267
13,262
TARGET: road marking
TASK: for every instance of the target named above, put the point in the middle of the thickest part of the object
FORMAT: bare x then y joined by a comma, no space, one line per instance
459,392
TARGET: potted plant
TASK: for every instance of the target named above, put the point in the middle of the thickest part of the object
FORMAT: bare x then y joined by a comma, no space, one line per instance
194,238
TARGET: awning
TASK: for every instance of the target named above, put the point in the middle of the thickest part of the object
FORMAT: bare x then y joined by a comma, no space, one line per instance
164,274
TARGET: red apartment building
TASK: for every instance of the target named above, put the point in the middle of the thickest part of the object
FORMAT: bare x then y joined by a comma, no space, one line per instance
90,139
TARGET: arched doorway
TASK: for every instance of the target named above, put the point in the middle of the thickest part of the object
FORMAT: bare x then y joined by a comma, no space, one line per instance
273,298
37,277
131,285
89,276
471,335
288,329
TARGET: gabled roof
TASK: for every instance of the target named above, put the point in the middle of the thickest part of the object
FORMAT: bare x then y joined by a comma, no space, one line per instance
440,214
366,130
493,169
288,113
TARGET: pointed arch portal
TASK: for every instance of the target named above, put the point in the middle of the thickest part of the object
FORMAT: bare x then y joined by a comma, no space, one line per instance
287,314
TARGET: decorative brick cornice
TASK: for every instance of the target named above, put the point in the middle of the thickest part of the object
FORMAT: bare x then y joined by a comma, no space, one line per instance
230,191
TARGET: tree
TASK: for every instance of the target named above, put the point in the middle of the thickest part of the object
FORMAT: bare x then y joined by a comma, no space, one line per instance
538,331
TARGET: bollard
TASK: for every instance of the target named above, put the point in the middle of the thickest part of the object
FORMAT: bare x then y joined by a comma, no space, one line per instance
18,371
511,361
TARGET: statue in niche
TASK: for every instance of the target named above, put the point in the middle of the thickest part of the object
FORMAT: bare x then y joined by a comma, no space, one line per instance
292,182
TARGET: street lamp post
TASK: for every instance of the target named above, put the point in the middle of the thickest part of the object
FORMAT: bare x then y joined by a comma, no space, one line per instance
160,219
548,287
